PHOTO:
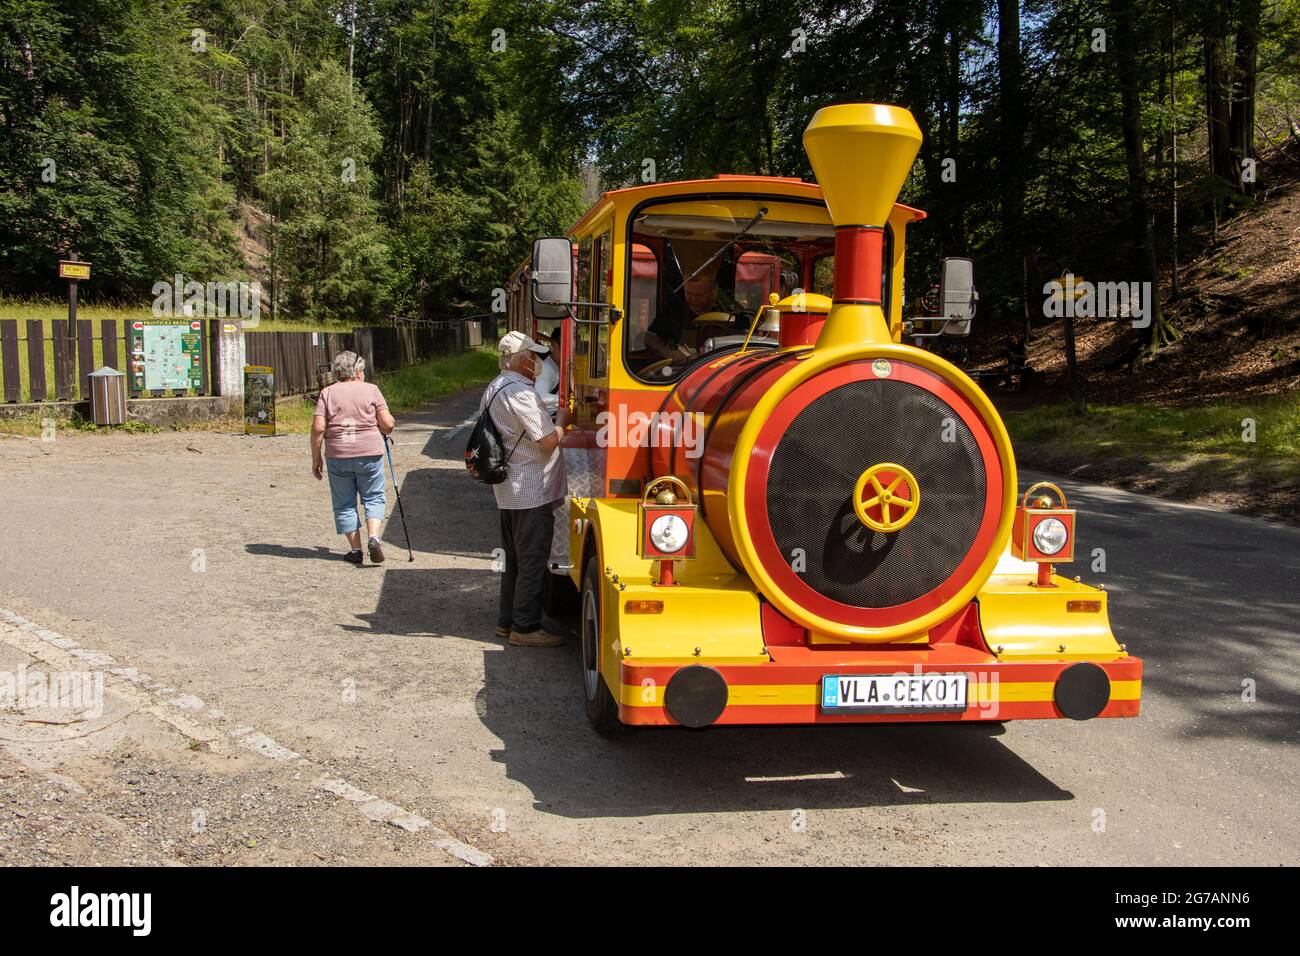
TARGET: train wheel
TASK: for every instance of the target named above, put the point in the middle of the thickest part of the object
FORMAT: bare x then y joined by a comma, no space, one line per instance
602,711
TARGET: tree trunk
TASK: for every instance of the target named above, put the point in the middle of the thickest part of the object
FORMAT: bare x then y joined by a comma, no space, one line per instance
1011,142
1174,290
1159,332
1218,93
1242,115
952,94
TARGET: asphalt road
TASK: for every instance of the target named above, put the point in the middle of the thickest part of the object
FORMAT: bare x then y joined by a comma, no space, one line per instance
490,741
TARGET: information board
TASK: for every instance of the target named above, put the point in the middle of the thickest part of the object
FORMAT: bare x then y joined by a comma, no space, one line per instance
165,354
259,400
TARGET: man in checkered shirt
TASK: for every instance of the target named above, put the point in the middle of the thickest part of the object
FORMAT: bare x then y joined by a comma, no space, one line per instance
534,487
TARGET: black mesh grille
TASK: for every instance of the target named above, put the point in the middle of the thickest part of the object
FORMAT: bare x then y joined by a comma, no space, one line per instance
819,460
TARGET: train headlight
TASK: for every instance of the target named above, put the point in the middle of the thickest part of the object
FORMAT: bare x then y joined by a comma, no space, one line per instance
1050,535
666,526
1043,531
669,533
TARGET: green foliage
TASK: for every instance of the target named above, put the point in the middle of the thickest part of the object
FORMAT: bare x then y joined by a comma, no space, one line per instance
329,248
104,148
177,128
461,237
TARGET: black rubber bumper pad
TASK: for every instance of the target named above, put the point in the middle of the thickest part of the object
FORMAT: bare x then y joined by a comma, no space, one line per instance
1082,691
696,696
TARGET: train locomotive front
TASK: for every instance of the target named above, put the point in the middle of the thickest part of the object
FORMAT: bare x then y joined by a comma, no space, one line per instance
846,541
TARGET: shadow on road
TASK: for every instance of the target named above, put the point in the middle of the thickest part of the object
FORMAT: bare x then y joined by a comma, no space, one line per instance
1209,601
532,700
284,551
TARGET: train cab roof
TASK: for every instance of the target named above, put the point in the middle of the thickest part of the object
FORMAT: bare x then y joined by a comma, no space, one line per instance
629,197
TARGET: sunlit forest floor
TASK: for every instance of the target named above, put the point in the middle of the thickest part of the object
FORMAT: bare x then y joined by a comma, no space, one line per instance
1214,417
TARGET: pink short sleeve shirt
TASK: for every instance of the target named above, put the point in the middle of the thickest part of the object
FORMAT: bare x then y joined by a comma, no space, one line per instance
351,411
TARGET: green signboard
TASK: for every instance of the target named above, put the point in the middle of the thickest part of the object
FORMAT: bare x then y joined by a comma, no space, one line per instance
165,354
259,400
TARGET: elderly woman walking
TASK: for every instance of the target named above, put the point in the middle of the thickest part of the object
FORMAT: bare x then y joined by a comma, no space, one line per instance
351,421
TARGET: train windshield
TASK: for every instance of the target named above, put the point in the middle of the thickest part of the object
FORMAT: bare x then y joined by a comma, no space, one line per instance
686,300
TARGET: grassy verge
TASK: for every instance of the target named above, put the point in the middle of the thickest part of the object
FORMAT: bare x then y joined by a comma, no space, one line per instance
1244,456
1209,430
405,390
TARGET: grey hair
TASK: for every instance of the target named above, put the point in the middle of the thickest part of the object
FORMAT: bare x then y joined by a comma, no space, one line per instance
347,366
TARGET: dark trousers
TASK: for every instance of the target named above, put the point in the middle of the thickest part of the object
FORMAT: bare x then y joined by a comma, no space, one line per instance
526,538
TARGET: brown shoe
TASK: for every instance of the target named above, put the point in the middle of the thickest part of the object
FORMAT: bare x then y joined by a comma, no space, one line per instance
538,638
502,631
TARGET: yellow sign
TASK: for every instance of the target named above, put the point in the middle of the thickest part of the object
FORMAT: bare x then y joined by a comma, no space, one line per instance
895,501
73,270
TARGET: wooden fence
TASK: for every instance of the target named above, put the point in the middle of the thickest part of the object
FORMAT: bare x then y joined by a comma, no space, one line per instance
42,363
295,356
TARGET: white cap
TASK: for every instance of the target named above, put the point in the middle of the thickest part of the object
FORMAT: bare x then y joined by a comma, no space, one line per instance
513,342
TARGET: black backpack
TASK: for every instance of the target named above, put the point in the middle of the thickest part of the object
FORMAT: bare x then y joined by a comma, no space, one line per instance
485,457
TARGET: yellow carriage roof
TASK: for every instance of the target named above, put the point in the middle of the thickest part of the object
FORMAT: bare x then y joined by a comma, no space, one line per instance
770,185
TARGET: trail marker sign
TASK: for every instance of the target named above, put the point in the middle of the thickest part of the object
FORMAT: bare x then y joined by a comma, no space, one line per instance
259,400
74,270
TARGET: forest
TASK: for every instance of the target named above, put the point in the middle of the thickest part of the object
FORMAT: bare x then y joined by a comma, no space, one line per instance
366,159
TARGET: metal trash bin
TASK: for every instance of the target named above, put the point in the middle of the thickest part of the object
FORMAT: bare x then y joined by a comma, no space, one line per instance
108,396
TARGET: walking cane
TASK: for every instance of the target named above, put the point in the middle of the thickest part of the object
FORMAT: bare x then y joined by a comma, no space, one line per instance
388,448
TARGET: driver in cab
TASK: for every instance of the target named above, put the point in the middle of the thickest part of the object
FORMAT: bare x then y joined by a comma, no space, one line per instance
696,314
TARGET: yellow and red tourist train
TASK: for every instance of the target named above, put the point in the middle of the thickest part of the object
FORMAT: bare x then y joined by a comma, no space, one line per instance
780,511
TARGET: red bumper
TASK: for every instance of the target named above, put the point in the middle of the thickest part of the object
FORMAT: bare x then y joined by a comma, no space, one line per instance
787,689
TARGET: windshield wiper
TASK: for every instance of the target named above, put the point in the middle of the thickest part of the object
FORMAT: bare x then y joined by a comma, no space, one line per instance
762,211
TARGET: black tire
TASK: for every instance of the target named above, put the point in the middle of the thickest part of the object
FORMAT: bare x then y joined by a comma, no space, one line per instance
559,596
602,710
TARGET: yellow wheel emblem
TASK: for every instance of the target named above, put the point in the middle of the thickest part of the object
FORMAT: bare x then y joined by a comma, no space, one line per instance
886,497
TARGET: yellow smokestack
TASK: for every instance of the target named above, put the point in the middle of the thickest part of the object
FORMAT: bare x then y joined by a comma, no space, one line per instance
861,154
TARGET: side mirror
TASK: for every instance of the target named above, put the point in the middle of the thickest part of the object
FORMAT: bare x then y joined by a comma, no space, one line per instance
552,283
957,296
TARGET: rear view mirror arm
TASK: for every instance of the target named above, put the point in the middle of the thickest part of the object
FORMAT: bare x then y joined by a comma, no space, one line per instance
614,312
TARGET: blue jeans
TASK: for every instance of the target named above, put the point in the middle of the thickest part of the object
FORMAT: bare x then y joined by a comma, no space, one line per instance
350,477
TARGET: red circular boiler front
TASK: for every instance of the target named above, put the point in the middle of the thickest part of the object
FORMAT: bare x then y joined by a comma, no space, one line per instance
801,485
803,474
